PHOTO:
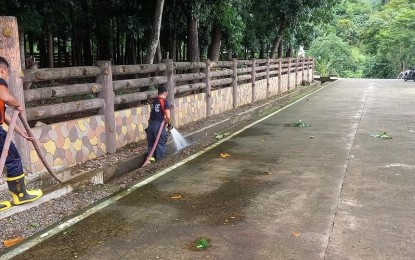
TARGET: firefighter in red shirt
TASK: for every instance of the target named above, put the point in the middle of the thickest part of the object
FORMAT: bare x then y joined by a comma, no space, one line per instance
15,175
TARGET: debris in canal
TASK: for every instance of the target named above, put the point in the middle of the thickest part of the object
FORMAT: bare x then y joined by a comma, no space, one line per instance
12,242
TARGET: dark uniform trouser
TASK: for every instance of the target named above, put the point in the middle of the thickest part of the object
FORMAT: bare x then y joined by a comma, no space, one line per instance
152,131
13,161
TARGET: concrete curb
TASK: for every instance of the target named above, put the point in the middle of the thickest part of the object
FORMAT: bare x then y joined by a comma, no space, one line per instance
104,175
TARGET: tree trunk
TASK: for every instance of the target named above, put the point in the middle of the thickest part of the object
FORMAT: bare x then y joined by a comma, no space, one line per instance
128,49
280,49
215,43
174,46
31,44
289,51
139,51
42,52
262,51
59,52
104,38
50,48
65,52
77,50
118,42
22,47
278,37
88,59
183,52
193,51
133,51
155,32
159,55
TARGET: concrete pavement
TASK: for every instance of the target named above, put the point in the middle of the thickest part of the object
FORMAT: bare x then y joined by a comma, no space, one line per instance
329,191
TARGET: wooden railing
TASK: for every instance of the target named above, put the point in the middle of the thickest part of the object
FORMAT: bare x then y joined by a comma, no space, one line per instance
179,77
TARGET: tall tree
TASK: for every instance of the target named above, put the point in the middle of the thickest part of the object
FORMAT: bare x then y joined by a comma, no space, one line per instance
155,31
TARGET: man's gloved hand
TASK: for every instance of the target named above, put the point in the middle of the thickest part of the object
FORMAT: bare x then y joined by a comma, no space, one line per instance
169,124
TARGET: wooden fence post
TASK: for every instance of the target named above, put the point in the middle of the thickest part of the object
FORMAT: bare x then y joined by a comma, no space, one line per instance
208,89
313,69
169,73
296,72
107,93
267,77
10,50
279,76
235,82
289,74
253,72
302,70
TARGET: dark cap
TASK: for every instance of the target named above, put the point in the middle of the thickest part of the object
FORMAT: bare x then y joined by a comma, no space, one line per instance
162,90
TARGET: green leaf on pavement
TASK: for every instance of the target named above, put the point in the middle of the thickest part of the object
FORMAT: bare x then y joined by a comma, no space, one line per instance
202,243
381,136
221,135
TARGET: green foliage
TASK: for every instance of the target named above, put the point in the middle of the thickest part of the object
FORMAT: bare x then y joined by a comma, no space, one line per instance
334,56
390,39
376,39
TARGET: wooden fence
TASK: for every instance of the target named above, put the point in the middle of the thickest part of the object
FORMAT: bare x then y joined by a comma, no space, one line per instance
98,92
174,75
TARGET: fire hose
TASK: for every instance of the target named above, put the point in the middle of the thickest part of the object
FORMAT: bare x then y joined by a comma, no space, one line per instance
5,152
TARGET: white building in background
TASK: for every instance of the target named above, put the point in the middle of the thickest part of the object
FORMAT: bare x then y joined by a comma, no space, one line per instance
301,52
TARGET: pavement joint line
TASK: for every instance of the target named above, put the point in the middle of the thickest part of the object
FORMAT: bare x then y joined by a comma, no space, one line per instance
361,111
42,236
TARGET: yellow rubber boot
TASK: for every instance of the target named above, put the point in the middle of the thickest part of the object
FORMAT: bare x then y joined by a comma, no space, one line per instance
20,195
5,205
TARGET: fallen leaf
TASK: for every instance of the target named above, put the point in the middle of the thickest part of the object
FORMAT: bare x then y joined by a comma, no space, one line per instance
12,242
295,234
35,225
202,243
176,197
381,136
224,155
220,136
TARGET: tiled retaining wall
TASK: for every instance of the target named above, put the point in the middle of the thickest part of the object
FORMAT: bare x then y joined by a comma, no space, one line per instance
69,143
190,108
244,94
221,100
273,86
130,125
284,83
261,89
292,81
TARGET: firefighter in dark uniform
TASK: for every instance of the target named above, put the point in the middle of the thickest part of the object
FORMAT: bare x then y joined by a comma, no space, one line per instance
160,111
15,175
